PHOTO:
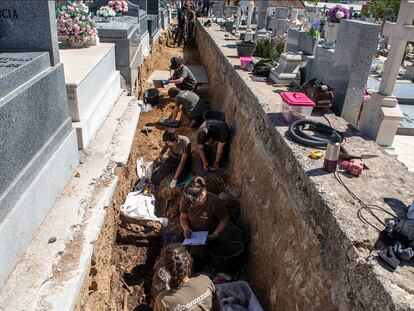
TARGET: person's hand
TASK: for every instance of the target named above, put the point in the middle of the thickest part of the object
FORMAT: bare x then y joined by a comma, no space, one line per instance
165,82
205,165
213,236
188,233
216,166
173,183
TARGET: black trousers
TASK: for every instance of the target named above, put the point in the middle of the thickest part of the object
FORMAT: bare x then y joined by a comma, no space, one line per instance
179,36
169,166
206,9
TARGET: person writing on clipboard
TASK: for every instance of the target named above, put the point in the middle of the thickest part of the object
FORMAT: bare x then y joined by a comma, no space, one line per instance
201,210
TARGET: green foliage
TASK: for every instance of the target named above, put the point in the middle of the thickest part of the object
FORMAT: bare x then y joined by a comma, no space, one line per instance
265,49
314,33
384,8
280,47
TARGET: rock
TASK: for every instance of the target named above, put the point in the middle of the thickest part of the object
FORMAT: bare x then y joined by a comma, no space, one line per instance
52,240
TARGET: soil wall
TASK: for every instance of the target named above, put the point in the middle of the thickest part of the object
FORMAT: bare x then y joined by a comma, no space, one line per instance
308,249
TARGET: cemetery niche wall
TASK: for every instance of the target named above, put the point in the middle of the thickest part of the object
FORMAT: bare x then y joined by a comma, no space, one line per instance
39,149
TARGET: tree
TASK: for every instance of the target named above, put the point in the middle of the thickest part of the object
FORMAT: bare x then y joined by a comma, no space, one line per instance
382,9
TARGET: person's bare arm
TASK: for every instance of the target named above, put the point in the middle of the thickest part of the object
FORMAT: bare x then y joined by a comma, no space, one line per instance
180,166
163,150
202,154
185,224
220,227
219,152
177,81
175,112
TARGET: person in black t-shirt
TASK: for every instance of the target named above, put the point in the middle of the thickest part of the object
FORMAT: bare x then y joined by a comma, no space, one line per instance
212,140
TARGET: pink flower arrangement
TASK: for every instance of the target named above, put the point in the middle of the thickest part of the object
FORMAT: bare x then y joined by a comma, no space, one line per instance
119,6
337,13
75,26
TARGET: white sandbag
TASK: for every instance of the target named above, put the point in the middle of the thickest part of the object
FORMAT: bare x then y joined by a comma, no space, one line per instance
141,207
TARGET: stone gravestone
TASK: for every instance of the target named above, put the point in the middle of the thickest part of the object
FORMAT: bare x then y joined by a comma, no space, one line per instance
280,22
262,15
38,144
409,73
125,33
23,29
288,68
346,69
381,116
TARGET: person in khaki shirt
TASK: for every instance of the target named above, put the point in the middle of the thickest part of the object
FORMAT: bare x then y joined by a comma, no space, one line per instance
178,162
185,293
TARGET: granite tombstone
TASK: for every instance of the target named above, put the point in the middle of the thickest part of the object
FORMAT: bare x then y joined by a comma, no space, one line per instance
39,148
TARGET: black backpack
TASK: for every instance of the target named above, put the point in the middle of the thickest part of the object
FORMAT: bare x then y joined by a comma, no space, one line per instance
263,67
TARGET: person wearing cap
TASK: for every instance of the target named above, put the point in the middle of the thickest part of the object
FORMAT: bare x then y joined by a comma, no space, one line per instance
191,104
182,77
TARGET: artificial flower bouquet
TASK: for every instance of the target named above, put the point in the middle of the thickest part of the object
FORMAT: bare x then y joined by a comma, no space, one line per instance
119,6
106,11
336,14
75,25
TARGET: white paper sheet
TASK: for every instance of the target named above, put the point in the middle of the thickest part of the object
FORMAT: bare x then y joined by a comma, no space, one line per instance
197,238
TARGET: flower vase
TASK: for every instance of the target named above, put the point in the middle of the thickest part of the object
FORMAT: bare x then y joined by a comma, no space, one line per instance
76,45
331,33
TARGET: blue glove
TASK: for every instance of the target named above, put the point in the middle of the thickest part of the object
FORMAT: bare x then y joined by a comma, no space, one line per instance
165,82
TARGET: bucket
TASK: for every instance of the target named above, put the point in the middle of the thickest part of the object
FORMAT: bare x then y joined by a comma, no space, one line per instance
214,115
245,48
226,256
244,62
152,96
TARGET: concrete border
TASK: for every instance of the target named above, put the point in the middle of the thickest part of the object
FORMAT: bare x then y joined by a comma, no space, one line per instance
50,276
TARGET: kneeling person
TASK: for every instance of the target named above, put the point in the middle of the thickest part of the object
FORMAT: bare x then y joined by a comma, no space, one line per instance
192,106
178,161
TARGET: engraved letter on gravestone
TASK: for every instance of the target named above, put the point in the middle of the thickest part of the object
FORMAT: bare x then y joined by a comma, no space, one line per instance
8,13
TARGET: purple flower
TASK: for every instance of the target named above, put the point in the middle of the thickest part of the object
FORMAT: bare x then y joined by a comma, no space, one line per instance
337,13
315,25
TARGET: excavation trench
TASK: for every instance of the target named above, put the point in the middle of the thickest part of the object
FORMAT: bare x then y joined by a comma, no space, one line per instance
125,253
307,251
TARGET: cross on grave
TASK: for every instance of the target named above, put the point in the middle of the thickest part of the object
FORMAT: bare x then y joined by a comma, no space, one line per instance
400,33
381,116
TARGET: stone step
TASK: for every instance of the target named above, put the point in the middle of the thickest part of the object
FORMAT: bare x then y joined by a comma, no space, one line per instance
95,115
50,276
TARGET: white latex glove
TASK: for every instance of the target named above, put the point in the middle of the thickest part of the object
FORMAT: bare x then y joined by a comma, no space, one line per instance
173,183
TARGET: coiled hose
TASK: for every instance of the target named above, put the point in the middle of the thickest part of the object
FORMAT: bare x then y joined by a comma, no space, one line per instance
297,131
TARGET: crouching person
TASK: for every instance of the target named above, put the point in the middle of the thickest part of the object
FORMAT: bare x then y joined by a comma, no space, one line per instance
213,142
201,210
178,162
185,293
191,104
